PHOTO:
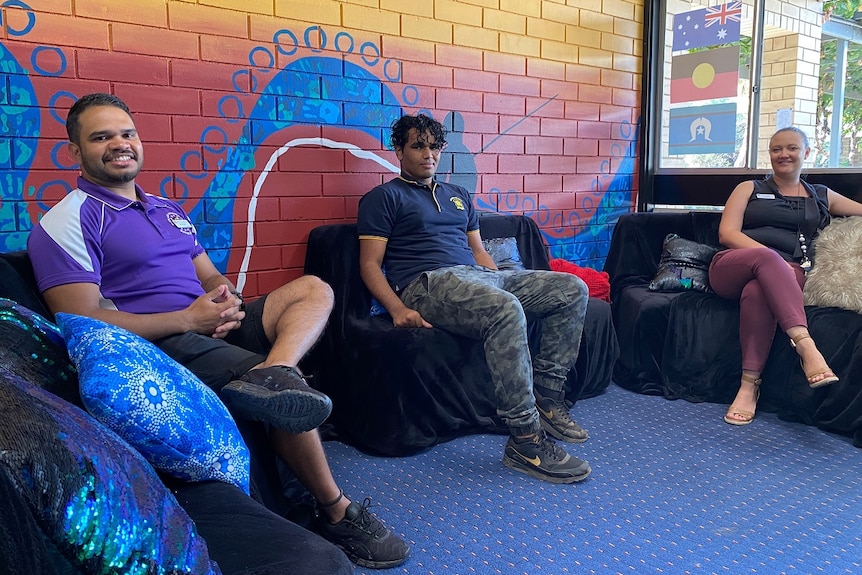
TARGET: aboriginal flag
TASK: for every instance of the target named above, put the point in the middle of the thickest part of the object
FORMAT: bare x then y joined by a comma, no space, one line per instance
705,75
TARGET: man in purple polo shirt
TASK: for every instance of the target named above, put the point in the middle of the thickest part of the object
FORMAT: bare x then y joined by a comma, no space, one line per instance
110,251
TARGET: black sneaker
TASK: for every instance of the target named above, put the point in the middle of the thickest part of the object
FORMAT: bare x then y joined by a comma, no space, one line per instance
543,459
363,538
555,419
277,395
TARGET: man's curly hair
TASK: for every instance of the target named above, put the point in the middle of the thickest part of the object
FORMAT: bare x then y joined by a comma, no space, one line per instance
423,124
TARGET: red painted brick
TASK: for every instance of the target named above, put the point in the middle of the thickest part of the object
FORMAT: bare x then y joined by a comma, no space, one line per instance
543,183
598,130
480,123
292,184
338,185
312,159
537,68
125,68
486,202
598,94
276,233
293,256
159,99
458,57
583,74
153,127
543,145
580,147
502,182
518,164
475,80
60,30
405,49
561,90
558,127
629,98
229,107
262,257
557,200
616,148
197,74
136,39
519,125
583,111
460,100
164,156
311,208
266,209
592,166
529,200
546,107
421,74
503,144
503,104
615,114
486,163
226,50
580,182
505,63
520,85
556,165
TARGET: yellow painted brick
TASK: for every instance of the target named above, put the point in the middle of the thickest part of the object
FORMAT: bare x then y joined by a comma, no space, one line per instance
54,6
207,20
371,19
475,37
504,21
530,8
546,29
617,43
639,13
583,37
595,21
627,63
425,9
522,45
559,51
483,3
314,11
366,3
252,6
560,13
458,12
593,57
145,12
408,49
619,8
590,5
628,28
426,29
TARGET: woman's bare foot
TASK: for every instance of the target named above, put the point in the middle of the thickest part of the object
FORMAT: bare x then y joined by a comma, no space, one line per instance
817,371
741,411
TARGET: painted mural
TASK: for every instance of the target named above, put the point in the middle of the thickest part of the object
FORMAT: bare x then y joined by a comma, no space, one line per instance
328,92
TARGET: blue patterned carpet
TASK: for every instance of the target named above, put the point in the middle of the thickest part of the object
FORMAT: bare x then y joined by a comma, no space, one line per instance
674,490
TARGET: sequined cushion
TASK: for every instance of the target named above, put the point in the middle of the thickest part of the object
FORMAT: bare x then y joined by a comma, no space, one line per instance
95,498
684,265
33,348
504,252
154,403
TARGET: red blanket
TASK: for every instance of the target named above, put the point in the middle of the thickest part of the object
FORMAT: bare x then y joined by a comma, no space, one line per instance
598,282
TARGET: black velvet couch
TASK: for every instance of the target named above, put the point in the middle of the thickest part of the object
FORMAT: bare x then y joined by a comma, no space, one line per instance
685,345
398,391
242,535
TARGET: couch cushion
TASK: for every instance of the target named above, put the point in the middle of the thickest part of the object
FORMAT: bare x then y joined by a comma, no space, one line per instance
154,403
95,498
834,279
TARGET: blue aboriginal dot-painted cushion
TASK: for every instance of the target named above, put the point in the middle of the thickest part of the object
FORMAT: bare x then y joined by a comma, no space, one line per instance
98,502
154,403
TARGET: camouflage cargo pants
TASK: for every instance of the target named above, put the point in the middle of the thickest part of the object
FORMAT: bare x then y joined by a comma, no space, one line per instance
495,306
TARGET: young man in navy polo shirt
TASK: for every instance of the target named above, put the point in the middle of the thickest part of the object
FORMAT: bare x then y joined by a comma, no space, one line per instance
426,234
110,251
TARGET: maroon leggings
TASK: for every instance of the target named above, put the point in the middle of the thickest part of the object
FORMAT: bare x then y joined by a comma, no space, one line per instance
769,294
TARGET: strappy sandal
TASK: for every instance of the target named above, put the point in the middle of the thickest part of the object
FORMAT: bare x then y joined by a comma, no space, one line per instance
744,417
829,376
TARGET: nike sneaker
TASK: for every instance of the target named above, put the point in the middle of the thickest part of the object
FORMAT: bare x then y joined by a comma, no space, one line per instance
555,419
543,459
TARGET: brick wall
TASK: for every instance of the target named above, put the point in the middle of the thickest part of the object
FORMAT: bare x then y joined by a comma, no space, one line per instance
268,118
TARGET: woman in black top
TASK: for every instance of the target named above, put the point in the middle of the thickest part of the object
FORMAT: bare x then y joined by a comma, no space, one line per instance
768,226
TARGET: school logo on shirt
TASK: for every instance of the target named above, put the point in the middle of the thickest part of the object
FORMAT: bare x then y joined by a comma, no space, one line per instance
181,223
459,203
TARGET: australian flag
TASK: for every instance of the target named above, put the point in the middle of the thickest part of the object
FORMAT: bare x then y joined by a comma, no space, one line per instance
707,26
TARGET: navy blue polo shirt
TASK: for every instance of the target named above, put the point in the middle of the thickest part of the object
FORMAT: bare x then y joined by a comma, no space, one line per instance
425,227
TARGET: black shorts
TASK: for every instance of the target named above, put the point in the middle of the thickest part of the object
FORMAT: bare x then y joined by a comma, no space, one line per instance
217,362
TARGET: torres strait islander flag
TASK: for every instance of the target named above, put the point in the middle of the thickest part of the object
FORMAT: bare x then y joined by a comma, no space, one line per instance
707,26
705,75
